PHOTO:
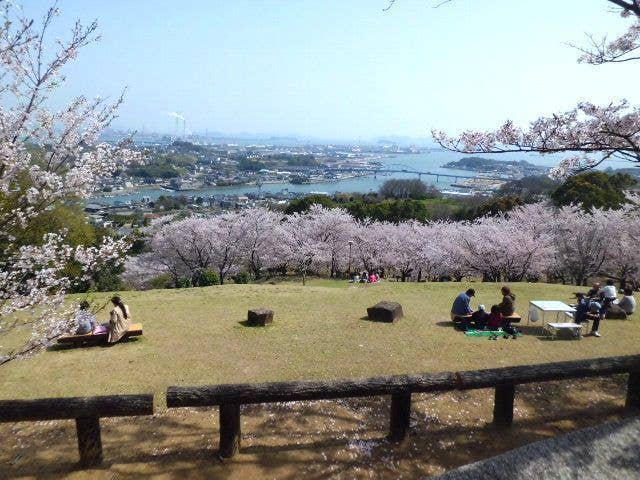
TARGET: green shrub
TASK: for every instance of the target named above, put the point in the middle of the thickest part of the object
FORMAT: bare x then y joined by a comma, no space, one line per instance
207,278
184,282
161,281
242,277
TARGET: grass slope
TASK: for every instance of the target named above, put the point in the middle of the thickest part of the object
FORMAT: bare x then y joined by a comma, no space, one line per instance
194,336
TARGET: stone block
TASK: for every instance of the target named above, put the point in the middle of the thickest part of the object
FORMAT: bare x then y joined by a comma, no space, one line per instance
260,317
385,311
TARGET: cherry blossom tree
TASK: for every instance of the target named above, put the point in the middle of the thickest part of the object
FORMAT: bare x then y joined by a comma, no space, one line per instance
442,252
46,157
262,236
188,248
299,248
581,241
531,242
622,261
330,229
368,245
228,240
609,131
402,246
184,249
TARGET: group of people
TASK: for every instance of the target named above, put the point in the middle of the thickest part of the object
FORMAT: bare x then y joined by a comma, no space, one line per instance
593,305
497,318
119,320
365,277
598,301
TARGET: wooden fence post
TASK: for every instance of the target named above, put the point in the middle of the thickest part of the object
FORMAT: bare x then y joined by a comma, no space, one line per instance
89,442
503,405
229,429
633,390
400,413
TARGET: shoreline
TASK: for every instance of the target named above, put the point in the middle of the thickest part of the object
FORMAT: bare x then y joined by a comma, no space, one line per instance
171,192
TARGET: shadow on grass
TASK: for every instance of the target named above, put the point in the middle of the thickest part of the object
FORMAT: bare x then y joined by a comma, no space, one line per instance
246,323
446,323
531,330
102,344
374,320
528,330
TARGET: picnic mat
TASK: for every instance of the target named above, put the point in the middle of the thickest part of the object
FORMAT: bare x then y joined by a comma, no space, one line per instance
486,333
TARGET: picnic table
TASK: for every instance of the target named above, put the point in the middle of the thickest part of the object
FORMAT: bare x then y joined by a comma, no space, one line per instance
539,308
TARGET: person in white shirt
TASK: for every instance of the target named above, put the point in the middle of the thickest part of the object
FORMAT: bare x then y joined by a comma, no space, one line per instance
609,291
85,319
628,302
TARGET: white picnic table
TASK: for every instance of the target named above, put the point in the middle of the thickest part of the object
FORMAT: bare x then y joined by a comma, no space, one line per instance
539,308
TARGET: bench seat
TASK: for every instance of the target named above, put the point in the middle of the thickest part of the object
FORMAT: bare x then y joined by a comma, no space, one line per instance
515,318
135,329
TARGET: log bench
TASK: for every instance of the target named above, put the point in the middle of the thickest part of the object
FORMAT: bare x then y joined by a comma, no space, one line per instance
86,411
135,329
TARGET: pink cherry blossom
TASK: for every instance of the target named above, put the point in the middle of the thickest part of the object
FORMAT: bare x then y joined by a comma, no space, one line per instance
70,162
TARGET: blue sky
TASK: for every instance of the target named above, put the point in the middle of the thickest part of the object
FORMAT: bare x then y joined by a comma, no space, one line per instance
341,69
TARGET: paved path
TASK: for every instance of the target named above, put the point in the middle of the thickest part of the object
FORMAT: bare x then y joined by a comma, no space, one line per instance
610,451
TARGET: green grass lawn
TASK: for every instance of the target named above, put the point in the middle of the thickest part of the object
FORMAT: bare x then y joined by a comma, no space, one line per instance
194,336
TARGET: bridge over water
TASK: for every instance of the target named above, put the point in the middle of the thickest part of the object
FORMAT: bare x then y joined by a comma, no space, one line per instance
401,168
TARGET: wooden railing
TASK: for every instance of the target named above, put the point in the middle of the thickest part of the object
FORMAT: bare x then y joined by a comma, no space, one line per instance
229,398
86,411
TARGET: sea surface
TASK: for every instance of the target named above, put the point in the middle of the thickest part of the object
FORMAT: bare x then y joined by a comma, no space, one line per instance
431,162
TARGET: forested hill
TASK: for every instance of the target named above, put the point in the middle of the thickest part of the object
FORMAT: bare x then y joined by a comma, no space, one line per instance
479,164
633,171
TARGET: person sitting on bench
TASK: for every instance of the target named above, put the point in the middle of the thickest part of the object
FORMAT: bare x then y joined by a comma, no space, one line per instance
508,303
85,319
119,320
582,309
596,312
462,304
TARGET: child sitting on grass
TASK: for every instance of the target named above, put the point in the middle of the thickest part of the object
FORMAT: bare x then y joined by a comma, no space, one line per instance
496,320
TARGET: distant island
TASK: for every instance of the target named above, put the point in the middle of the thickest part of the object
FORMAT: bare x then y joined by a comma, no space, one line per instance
633,171
489,165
